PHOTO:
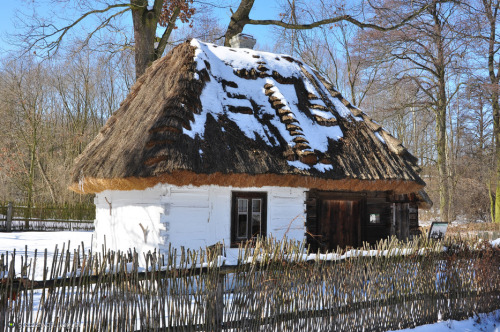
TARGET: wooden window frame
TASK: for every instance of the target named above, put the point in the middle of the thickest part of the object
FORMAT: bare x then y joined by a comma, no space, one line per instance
235,195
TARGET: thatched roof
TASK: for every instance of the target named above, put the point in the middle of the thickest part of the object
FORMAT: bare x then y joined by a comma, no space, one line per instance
207,114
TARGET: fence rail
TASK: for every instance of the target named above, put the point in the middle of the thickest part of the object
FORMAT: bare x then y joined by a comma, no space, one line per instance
46,217
272,286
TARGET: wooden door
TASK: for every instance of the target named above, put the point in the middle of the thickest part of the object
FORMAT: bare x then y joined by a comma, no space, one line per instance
340,223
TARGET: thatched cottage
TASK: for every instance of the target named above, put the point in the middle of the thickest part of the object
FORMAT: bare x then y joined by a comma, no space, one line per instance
217,143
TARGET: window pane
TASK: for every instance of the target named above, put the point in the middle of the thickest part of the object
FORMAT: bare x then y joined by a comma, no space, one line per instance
375,218
256,203
242,205
256,224
242,226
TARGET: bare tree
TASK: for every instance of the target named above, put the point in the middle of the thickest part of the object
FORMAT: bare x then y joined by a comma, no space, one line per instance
47,35
430,46
50,111
485,14
162,16
337,54
240,18
27,97
403,109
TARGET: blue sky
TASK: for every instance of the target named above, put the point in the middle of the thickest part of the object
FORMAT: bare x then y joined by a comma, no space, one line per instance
6,18
263,9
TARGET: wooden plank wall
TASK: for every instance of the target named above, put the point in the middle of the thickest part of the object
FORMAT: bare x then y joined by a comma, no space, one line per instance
312,221
377,203
397,217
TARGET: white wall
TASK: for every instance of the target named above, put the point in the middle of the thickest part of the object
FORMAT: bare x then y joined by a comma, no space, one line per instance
118,223
188,216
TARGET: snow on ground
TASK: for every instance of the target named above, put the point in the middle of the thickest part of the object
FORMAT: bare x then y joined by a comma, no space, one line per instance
482,323
40,241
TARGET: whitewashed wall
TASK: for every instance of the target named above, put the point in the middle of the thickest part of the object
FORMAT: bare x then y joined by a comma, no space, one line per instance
187,216
119,216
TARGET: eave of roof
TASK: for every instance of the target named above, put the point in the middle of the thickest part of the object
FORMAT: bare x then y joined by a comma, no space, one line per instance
184,178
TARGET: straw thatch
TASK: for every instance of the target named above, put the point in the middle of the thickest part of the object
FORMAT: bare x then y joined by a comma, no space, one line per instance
168,130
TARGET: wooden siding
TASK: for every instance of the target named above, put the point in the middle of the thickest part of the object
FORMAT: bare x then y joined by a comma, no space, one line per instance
312,223
393,213
341,223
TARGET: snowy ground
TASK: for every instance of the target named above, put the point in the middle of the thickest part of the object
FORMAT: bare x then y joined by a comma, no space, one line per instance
40,241
496,243
482,323
48,240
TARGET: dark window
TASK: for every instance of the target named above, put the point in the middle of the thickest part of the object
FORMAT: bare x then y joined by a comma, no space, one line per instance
249,211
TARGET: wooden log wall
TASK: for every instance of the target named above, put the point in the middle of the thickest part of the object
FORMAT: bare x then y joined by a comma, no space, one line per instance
377,203
274,286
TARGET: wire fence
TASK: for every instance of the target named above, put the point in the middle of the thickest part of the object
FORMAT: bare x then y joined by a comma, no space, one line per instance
272,286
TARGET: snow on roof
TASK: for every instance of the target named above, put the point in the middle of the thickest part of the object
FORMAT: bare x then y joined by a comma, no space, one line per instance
224,62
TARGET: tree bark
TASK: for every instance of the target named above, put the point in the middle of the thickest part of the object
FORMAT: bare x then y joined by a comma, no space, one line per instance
491,11
238,20
492,202
496,129
31,183
442,162
145,22
441,108
46,179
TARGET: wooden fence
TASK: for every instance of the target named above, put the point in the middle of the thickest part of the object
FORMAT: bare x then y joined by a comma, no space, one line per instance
275,286
46,217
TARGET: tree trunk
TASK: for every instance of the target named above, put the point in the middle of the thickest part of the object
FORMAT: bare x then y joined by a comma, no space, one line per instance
31,181
238,20
440,111
496,129
442,163
492,15
46,179
145,22
492,202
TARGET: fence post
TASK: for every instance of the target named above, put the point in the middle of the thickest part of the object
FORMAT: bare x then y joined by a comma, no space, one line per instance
8,223
219,303
3,309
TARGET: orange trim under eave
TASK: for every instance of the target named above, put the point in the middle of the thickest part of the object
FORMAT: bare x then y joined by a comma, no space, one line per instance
182,178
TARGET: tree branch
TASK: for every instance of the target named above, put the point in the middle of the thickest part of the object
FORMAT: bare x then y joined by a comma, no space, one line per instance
166,34
54,45
104,24
346,18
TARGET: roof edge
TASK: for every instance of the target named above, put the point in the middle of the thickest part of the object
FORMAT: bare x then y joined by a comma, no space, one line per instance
184,177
